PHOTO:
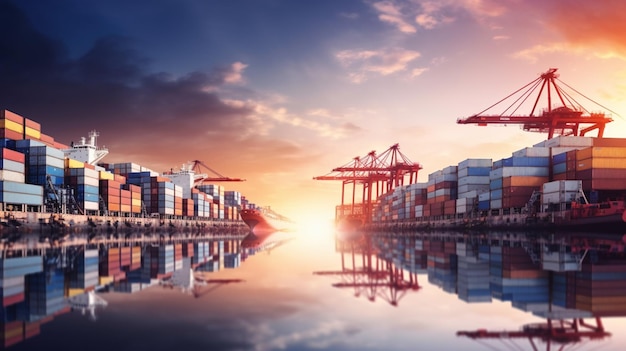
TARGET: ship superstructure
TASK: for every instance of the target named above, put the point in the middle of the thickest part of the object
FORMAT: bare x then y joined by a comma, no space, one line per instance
87,151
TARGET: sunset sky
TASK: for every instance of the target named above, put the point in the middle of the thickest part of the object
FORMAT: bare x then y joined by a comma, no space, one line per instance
280,91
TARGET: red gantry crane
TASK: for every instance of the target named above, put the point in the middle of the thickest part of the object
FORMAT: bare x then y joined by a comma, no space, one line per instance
383,172
202,177
569,118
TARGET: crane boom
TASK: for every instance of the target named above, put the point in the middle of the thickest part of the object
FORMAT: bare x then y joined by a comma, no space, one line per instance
567,119
197,164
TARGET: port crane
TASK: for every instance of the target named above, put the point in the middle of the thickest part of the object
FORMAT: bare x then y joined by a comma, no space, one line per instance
570,118
197,166
376,175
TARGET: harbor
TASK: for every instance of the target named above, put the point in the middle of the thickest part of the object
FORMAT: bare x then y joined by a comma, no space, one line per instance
521,289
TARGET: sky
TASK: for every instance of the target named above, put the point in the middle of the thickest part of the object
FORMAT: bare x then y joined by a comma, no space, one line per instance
280,91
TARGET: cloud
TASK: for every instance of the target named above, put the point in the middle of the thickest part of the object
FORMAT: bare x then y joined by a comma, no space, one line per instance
432,14
390,12
155,117
533,53
383,62
322,336
418,72
597,25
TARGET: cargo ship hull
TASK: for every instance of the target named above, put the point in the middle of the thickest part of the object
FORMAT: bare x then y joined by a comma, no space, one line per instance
261,223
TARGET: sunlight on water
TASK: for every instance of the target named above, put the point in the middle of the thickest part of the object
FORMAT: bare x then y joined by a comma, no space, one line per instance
313,227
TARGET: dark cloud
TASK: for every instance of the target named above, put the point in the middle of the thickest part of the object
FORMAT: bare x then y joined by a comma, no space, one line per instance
111,88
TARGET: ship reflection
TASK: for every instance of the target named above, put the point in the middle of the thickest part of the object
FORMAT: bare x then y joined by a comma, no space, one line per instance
40,281
571,281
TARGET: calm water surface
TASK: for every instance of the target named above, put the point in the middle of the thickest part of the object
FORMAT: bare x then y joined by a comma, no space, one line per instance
405,294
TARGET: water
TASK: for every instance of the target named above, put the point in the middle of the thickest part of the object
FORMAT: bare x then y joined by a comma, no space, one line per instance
313,293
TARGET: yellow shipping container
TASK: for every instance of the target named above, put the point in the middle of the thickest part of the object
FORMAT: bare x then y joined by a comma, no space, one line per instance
106,280
74,292
10,125
136,202
599,162
106,175
71,163
608,152
32,132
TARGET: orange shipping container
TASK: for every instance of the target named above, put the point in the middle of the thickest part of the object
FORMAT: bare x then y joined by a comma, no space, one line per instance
523,181
10,134
6,114
8,154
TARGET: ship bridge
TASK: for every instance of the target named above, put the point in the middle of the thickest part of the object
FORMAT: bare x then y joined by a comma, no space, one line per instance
85,151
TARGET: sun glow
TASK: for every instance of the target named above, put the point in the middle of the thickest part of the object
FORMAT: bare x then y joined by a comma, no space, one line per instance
314,227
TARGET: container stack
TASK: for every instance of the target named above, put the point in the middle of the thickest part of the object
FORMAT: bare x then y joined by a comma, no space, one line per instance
188,250
473,179
201,253
178,200
514,276
109,191
601,289
473,277
601,168
16,127
11,333
201,203
12,272
415,199
125,257
12,166
232,260
165,259
85,275
127,168
109,267
513,180
442,267
13,189
442,192
135,258
125,195
84,180
558,195
135,197
178,256
217,193
43,163
46,294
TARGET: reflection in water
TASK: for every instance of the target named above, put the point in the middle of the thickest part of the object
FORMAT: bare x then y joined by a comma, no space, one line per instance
571,281
39,282
373,274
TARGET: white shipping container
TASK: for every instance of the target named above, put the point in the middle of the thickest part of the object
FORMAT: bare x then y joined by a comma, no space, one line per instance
12,176
484,196
519,171
536,151
559,197
560,141
562,185
475,162
474,180
495,204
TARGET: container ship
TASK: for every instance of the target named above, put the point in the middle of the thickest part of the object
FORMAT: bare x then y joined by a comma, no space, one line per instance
568,182
45,184
263,220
